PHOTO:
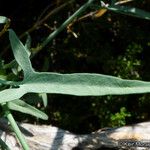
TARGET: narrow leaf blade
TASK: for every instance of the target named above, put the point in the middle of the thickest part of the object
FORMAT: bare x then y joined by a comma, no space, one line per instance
131,11
20,53
11,94
21,106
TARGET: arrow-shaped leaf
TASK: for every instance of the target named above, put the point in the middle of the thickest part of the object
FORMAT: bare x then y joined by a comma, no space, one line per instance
81,84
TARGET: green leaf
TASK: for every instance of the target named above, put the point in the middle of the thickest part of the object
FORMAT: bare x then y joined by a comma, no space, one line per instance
130,11
3,145
75,84
79,84
21,106
83,84
21,54
11,94
4,82
3,19
13,64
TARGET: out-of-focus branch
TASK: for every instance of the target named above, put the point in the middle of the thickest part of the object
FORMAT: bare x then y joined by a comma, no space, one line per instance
5,28
123,2
62,27
41,20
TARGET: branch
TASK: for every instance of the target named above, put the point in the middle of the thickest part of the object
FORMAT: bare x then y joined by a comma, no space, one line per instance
45,18
40,21
62,27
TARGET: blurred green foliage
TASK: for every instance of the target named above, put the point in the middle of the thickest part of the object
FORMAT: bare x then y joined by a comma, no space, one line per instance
118,119
113,44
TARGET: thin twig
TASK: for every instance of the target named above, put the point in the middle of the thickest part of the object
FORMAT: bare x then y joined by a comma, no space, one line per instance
123,2
38,23
43,13
62,27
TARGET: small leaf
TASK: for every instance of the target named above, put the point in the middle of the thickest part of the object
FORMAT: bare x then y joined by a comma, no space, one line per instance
135,12
21,54
11,94
44,98
13,64
21,106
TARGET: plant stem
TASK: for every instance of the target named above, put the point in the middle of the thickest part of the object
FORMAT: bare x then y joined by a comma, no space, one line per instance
39,22
15,127
66,23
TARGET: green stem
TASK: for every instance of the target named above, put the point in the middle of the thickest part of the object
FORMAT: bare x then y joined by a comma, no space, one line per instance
15,127
66,23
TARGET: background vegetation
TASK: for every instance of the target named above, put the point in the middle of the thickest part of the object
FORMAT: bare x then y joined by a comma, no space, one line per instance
112,44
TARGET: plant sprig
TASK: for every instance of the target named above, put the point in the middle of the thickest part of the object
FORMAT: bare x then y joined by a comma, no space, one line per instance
78,84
